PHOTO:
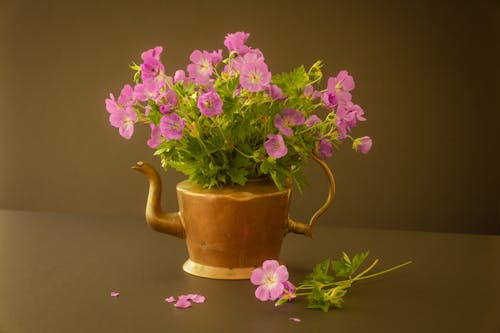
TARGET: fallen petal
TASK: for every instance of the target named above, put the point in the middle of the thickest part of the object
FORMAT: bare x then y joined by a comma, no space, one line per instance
182,303
114,294
198,298
295,319
170,299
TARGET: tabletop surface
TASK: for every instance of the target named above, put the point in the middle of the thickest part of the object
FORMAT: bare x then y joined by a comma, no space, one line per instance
57,272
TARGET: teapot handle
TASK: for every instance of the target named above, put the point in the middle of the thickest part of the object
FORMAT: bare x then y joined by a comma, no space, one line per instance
306,229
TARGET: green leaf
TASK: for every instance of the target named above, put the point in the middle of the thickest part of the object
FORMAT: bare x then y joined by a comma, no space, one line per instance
318,300
358,260
155,114
346,267
342,268
320,273
292,83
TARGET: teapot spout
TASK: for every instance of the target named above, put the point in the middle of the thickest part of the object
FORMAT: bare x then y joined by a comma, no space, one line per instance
156,218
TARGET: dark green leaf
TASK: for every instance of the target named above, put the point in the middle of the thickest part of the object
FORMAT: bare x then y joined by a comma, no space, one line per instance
320,273
358,260
318,300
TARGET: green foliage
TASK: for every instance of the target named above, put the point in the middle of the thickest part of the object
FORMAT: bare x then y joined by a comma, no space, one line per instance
320,274
346,267
228,148
326,286
292,83
326,289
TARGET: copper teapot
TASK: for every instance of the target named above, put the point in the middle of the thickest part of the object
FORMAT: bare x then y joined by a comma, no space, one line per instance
231,230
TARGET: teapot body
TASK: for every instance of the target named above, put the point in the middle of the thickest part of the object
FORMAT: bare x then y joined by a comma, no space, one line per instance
231,230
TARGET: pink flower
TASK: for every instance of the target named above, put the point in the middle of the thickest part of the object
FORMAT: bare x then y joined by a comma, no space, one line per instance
126,97
329,99
283,122
149,89
170,102
152,53
210,103
179,76
270,279
155,139
275,146
215,57
347,116
337,91
114,294
275,92
236,42
236,64
171,126
363,144
295,319
254,75
151,68
111,105
312,120
325,148
309,92
124,120
341,85
201,68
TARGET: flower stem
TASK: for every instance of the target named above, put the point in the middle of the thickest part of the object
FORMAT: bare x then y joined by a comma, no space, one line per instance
384,271
357,277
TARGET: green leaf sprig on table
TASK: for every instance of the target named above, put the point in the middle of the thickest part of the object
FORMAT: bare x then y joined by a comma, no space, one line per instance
330,280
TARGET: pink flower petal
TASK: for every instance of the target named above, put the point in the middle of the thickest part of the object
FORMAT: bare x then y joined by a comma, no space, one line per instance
275,291
258,276
182,303
281,274
197,298
114,294
262,293
170,299
269,266
295,320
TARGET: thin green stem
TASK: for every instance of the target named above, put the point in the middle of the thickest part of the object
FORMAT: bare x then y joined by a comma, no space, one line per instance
356,278
385,271
374,263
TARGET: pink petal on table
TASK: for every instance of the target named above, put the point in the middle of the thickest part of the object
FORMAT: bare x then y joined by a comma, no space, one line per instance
197,298
295,320
114,294
170,299
182,303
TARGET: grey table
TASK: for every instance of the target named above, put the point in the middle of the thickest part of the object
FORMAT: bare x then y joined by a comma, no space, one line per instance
57,272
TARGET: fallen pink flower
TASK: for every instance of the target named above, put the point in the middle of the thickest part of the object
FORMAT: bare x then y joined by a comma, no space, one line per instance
295,319
269,278
182,303
170,299
196,298
114,294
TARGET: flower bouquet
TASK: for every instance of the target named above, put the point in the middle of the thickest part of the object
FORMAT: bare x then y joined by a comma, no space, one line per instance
228,119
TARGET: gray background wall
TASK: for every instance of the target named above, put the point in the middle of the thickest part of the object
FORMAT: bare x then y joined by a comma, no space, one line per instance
426,73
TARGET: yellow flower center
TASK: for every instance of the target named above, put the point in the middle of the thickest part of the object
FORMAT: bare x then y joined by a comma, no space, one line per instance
205,66
255,77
